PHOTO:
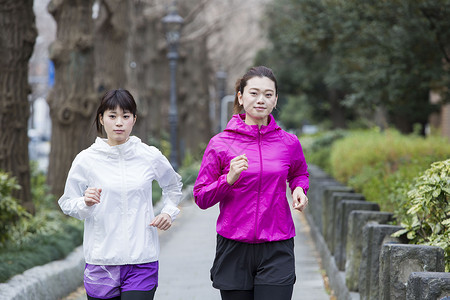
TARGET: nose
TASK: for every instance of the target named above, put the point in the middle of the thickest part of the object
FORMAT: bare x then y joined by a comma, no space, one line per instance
260,98
119,121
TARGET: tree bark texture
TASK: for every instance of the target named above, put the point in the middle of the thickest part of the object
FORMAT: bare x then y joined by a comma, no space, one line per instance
72,100
110,45
17,38
148,71
194,75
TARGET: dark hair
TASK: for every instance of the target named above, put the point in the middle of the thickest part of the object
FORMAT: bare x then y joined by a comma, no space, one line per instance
111,100
260,71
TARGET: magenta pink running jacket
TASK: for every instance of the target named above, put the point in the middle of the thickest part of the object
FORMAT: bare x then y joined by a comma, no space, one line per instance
255,208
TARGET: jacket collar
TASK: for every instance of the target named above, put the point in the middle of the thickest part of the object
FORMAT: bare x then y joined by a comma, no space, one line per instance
125,149
237,124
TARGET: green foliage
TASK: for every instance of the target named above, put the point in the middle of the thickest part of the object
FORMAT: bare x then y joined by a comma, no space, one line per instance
317,148
163,144
295,112
425,213
38,249
379,164
361,55
191,166
39,239
11,212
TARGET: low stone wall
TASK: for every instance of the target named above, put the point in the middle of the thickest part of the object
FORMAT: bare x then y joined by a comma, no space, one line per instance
57,279
361,259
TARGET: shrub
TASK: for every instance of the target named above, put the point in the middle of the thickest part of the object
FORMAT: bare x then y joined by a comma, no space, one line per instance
425,214
379,164
34,240
317,148
11,211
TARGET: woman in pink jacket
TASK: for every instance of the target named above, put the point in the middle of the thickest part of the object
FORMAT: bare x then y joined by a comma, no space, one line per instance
245,169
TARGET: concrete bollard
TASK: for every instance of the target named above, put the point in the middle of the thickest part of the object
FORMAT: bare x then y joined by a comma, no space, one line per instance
319,188
374,235
428,286
325,192
329,207
345,207
356,222
399,261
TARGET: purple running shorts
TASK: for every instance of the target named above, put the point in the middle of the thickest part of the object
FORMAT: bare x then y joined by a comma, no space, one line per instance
106,282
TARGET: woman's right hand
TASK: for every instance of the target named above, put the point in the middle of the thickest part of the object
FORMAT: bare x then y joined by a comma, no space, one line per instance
92,196
237,165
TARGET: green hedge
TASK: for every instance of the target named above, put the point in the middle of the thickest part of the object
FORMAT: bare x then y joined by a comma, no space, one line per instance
317,147
29,241
377,164
407,175
425,213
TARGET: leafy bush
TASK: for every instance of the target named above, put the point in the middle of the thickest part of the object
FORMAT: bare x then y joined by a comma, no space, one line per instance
425,214
38,249
379,164
317,148
11,211
39,239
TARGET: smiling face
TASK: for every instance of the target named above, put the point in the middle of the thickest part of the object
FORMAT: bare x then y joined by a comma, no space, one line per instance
117,124
258,99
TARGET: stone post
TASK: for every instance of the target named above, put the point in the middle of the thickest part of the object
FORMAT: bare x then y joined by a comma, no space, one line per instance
428,286
345,207
356,222
329,207
373,237
398,261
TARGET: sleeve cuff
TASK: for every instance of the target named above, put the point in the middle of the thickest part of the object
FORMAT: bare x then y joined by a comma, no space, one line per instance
171,210
84,211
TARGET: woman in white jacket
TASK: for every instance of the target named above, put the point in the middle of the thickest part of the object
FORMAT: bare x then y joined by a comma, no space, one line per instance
109,186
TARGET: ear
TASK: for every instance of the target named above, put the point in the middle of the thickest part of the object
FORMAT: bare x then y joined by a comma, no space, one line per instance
100,117
275,103
239,96
134,121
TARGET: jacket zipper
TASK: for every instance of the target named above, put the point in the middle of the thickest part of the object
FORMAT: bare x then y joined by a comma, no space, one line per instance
259,185
124,217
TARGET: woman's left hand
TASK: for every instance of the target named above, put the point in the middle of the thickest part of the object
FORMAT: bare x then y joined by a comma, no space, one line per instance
162,221
299,199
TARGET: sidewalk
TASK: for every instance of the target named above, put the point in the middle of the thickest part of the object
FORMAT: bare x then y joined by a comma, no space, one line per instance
187,252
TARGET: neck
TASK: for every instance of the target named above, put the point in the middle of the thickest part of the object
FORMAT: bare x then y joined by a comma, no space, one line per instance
260,122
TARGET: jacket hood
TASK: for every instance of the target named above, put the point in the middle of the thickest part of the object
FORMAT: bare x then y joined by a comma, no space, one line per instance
127,148
238,125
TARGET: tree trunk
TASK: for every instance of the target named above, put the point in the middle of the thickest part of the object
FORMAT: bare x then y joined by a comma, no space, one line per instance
194,98
111,45
17,38
72,101
337,111
149,69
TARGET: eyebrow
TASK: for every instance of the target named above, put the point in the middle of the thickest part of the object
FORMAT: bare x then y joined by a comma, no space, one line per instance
254,88
124,111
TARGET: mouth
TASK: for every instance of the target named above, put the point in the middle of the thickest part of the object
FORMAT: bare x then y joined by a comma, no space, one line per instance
260,108
119,131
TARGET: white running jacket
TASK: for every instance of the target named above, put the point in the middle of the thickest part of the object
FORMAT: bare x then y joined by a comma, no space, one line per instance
117,231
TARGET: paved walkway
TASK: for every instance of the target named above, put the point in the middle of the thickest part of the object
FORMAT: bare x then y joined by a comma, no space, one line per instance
187,252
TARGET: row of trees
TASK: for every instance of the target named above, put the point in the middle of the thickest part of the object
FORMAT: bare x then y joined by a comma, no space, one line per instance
348,58
107,44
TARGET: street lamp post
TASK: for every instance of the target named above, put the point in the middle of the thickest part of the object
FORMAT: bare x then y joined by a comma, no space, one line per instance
221,77
172,23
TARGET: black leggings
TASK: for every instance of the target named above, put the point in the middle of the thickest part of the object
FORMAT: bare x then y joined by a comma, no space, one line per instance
260,292
132,295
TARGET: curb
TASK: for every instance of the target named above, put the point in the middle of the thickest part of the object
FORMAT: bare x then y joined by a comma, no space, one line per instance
336,278
56,279
50,281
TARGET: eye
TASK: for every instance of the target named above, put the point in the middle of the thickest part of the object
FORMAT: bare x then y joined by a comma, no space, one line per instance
253,93
112,116
126,116
268,95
